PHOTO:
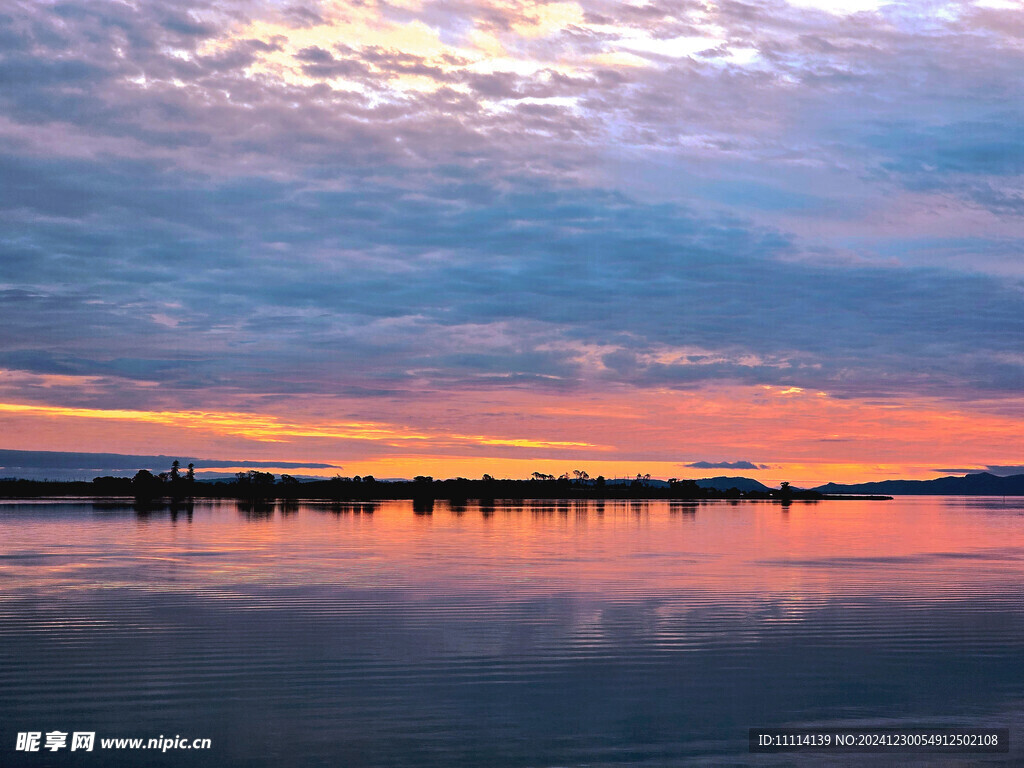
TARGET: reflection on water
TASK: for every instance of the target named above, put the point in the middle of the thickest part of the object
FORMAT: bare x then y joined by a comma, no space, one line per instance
495,633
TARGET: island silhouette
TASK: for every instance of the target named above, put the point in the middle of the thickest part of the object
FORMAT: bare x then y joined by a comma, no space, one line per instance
181,483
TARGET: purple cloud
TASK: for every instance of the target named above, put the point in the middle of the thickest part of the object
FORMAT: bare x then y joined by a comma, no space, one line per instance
752,193
726,465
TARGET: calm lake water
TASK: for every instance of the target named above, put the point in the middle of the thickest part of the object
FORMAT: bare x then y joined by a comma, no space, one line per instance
512,634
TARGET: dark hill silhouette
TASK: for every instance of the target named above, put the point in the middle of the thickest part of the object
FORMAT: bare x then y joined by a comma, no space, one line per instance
740,483
975,484
720,483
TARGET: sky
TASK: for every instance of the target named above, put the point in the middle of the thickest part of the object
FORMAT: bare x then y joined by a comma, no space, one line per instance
778,240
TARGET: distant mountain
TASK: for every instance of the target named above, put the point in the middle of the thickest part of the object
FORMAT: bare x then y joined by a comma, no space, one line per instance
718,483
739,483
977,484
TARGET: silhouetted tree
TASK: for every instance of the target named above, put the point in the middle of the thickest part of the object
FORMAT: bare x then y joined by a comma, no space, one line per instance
253,483
785,491
260,478
686,489
145,486
114,486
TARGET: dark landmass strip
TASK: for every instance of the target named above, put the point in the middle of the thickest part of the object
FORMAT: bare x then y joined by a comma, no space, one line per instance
264,485
725,483
976,484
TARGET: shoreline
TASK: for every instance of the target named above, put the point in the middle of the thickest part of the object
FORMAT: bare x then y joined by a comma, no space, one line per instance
652,494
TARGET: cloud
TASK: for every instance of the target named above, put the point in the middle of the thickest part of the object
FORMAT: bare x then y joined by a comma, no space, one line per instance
289,276
726,465
38,463
237,202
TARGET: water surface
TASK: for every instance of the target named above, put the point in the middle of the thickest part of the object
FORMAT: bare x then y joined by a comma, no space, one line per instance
507,633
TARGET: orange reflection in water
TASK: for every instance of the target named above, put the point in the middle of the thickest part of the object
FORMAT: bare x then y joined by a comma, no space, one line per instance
920,548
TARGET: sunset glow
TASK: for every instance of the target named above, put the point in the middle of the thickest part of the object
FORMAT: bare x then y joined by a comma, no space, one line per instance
773,240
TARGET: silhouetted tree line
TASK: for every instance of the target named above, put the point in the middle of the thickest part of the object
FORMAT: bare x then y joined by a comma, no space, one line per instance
575,485
257,485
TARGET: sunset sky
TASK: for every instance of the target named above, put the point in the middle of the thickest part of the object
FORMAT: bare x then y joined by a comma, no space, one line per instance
421,237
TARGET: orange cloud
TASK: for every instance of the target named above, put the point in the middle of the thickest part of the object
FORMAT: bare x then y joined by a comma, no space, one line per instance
805,437
271,429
